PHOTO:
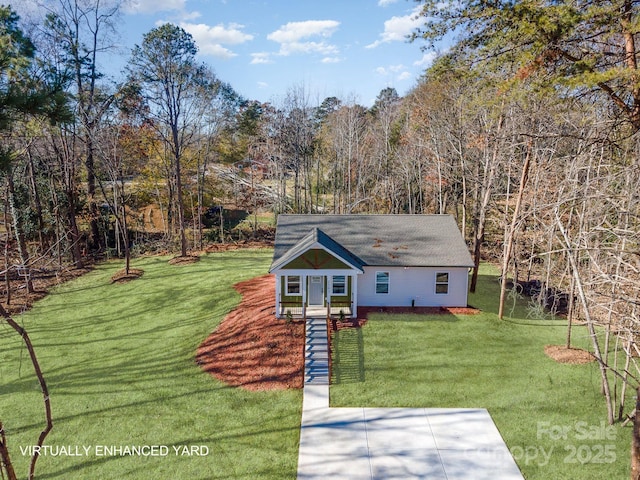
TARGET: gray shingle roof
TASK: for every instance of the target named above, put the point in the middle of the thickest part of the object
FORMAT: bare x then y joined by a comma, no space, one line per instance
380,240
317,236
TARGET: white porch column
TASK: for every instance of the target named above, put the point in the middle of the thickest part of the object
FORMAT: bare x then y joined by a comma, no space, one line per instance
354,295
303,290
278,295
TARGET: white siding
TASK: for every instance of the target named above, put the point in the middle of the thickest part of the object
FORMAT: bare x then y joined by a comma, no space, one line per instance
413,283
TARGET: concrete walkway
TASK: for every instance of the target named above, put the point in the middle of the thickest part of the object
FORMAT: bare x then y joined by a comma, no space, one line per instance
392,443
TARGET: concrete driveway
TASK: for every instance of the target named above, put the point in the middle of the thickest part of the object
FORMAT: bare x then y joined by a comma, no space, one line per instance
392,443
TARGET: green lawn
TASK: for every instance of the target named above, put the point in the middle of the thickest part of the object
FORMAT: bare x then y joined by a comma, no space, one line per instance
549,414
119,362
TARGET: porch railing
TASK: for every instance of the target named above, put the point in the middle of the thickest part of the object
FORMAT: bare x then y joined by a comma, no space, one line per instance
299,309
296,309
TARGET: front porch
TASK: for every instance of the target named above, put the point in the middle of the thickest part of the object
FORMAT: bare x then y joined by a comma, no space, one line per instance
316,276
306,295
298,310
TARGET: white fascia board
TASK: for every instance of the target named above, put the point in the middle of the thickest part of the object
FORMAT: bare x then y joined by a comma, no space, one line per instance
315,273
333,254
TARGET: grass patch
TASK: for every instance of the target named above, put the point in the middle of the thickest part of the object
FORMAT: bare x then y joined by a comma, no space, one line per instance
551,415
119,362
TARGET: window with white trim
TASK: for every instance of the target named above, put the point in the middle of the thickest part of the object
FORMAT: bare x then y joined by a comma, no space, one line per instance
339,283
442,283
382,282
293,285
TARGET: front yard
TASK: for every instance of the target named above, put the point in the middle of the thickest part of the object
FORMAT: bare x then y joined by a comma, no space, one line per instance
551,415
119,361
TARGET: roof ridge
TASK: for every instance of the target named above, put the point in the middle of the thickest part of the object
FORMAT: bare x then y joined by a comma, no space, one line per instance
379,239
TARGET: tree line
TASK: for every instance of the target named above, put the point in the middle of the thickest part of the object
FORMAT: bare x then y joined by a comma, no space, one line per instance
525,129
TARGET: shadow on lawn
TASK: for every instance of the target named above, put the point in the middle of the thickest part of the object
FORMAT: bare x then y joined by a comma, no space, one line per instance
124,361
348,360
122,380
517,308
209,441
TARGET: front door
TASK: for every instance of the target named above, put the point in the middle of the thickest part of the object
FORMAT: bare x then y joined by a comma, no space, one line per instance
316,291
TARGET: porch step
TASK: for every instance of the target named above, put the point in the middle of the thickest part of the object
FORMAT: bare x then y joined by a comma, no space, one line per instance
316,364
316,380
317,329
316,352
317,334
316,339
317,371
317,348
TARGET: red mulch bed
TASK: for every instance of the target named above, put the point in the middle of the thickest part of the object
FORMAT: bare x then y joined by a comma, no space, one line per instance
253,349
365,311
573,356
121,276
186,260
226,247
21,300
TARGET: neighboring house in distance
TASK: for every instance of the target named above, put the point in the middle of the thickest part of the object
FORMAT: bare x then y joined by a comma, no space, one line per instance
339,262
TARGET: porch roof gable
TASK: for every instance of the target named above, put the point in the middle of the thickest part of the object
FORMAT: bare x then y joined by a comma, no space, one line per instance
314,239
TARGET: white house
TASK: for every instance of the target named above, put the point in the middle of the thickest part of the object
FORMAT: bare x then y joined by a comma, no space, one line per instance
331,263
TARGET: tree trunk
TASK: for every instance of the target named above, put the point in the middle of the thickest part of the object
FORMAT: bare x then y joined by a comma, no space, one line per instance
487,185
73,229
44,242
476,257
125,233
514,220
625,379
43,388
95,241
5,458
181,226
590,323
570,310
6,247
635,442
18,230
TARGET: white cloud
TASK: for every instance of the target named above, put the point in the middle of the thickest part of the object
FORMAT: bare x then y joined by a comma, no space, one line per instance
384,3
261,58
190,16
152,6
294,31
211,39
308,47
397,29
231,34
426,60
291,36
263,85
331,60
398,72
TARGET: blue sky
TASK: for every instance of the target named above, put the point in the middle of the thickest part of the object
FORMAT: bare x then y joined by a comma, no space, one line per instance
348,48
351,49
